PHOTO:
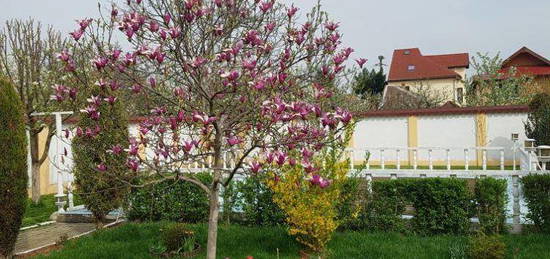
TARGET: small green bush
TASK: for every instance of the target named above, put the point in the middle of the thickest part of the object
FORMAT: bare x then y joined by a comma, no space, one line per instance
536,190
386,205
352,203
490,197
175,236
487,247
441,205
173,200
256,202
13,167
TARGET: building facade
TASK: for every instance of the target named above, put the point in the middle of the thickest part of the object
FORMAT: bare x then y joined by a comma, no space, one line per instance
441,76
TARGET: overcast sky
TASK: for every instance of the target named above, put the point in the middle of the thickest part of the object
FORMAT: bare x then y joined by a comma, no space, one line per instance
374,27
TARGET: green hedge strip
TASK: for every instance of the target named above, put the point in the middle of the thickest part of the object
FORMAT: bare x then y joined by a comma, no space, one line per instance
13,167
536,190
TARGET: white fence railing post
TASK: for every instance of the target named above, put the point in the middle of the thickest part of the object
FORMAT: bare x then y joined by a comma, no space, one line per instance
430,160
382,162
398,159
484,159
466,159
415,159
516,226
502,159
448,159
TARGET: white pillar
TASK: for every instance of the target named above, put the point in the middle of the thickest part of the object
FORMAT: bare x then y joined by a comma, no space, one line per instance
58,134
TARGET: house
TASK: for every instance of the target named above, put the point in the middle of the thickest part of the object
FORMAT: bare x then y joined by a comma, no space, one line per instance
439,76
527,62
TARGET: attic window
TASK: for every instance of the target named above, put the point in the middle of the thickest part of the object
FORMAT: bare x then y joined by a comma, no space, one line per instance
407,52
411,67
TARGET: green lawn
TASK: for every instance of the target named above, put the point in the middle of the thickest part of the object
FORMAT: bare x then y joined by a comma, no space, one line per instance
38,213
133,241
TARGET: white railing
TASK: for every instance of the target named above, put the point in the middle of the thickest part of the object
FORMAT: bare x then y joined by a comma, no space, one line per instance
429,160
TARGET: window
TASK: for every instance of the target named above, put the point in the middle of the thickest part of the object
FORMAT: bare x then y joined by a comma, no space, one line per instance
460,95
411,67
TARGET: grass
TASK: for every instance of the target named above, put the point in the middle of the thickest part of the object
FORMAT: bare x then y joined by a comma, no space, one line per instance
133,241
38,213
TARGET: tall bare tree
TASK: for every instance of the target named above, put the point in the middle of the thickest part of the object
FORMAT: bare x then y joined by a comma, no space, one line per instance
28,60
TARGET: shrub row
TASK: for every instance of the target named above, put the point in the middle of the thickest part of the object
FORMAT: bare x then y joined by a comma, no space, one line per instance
536,190
440,205
173,200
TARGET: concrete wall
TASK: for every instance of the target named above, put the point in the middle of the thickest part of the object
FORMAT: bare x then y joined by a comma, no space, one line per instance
443,130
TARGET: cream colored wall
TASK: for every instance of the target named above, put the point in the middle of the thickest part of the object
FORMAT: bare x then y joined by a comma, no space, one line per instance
46,187
443,87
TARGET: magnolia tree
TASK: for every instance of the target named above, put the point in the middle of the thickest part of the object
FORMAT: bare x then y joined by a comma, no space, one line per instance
239,77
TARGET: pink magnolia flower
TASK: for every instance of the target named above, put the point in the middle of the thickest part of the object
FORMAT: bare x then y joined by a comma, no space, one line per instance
265,6
111,100
152,82
231,76
174,32
188,146
100,62
198,62
281,158
77,34
64,56
102,167
79,132
133,150
154,26
270,26
361,62
233,140
84,23
132,164
291,11
116,149
331,26
136,88
167,18
162,34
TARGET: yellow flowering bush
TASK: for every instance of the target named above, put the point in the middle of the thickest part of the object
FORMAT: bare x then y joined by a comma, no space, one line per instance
310,199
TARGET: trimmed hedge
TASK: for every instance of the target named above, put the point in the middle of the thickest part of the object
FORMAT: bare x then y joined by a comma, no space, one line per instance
536,190
386,205
102,190
490,197
173,200
255,199
13,167
441,205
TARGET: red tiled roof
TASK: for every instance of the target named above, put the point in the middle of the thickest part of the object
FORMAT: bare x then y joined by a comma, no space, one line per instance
530,71
444,111
524,50
425,67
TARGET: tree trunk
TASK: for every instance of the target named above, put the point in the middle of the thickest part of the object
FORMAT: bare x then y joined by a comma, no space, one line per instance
35,177
213,222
